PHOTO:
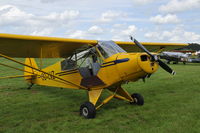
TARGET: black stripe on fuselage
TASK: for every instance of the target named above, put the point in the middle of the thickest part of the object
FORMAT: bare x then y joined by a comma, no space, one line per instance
110,63
67,73
74,70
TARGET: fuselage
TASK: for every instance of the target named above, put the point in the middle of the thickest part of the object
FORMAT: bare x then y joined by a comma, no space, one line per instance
102,66
115,70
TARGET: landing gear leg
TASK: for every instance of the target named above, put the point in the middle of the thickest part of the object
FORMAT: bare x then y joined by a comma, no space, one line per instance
135,98
88,109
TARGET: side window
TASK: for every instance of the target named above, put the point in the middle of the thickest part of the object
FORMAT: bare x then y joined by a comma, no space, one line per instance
68,64
88,60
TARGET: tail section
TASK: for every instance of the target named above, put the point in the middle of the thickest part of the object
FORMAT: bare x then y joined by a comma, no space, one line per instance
29,73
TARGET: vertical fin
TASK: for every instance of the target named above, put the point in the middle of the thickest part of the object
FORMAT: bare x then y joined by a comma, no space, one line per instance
94,95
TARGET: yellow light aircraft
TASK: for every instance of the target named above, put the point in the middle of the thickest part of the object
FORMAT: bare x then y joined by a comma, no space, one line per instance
90,65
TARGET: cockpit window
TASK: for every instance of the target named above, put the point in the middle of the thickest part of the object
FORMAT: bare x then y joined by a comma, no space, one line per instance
109,48
68,64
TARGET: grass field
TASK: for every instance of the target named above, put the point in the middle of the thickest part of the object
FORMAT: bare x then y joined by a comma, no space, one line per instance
172,104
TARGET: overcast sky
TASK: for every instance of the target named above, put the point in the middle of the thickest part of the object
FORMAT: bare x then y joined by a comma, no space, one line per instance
146,20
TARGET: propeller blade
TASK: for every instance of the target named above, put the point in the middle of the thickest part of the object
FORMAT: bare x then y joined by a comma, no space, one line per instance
141,46
166,67
154,57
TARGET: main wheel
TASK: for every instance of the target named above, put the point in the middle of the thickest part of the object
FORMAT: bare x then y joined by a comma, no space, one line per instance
138,99
88,110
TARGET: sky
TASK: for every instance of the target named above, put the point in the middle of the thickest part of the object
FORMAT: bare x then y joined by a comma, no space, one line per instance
146,20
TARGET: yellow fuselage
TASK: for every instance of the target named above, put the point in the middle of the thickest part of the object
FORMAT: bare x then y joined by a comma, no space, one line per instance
127,67
115,70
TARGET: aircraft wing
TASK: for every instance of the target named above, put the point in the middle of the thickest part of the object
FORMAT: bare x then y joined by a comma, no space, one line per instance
152,47
40,47
51,47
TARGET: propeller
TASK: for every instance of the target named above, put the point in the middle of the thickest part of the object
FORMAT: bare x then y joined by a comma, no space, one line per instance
154,57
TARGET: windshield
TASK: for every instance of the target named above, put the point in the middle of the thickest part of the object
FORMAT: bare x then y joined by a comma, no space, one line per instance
109,48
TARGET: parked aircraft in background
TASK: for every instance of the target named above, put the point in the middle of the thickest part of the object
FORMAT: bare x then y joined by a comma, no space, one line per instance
175,57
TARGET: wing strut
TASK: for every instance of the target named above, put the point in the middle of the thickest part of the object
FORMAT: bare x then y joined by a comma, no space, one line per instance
16,68
17,76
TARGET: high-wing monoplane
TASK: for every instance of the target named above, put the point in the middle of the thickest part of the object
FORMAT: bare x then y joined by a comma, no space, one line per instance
91,65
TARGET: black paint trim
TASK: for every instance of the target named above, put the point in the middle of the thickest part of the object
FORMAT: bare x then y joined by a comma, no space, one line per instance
64,72
115,62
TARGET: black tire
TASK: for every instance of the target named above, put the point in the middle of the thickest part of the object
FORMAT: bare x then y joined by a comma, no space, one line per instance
88,110
138,99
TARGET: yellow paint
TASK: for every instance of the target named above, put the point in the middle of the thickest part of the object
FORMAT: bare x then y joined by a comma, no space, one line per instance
94,95
54,47
49,78
105,101
121,93
30,46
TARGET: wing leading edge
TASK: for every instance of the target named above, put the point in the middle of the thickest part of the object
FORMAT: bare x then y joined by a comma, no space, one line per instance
151,46
23,46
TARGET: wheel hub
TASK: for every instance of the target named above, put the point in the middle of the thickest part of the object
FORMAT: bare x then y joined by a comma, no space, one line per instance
85,111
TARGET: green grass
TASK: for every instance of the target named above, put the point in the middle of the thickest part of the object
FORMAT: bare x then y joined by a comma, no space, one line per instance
172,104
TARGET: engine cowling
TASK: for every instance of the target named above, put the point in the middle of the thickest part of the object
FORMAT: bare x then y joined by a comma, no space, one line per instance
146,64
